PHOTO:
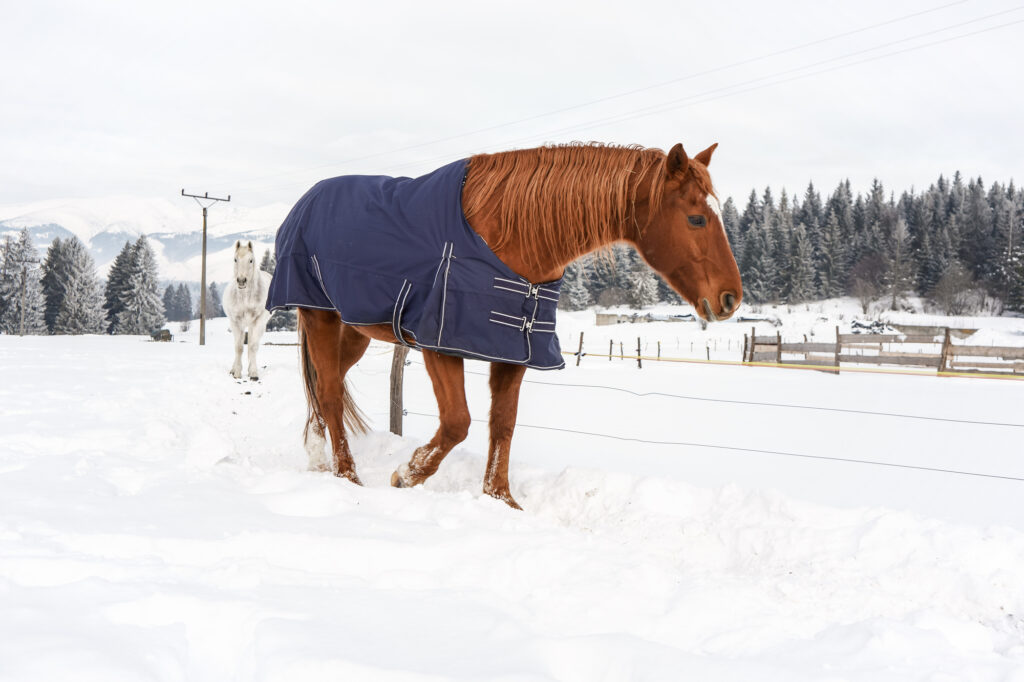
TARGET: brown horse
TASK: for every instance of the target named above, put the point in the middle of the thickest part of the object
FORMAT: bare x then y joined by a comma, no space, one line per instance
538,210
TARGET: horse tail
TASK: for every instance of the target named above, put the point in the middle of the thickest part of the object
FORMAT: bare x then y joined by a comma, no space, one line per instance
352,417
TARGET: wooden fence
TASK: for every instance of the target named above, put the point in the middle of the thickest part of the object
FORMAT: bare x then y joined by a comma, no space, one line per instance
928,351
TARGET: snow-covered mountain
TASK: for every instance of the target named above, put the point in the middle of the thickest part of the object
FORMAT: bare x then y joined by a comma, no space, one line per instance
173,226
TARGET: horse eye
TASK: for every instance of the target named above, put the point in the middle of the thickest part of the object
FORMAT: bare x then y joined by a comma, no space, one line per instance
697,220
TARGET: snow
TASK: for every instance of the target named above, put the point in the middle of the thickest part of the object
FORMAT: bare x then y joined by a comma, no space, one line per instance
157,522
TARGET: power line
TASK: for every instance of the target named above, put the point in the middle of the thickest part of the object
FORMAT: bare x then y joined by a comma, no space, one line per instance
686,101
677,396
618,95
848,460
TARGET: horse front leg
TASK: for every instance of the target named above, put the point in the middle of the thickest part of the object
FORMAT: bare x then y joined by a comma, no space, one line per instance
505,382
238,329
446,374
257,326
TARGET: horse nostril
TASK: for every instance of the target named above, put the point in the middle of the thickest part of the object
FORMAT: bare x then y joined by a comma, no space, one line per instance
728,302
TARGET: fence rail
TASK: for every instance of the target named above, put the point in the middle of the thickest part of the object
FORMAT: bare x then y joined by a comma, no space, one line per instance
888,349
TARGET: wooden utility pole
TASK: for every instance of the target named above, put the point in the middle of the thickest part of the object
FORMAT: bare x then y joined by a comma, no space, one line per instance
579,353
202,284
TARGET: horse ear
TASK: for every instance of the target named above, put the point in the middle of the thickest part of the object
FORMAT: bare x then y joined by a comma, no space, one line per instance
705,156
677,161
238,244
250,246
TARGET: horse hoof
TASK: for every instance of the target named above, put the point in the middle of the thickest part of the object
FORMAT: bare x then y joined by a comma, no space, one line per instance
350,475
505,496
400,479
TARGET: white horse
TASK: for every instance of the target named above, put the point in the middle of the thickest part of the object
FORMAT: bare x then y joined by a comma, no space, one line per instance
245,303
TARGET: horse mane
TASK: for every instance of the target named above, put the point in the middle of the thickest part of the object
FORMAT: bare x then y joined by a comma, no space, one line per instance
566,196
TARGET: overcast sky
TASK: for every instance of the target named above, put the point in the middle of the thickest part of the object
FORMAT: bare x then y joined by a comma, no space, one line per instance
261,99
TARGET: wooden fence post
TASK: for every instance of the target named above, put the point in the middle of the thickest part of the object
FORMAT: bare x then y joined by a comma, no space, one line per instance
778,348
659,350
397,375
744,348
753,341
611,349
839,349
579,353
639,365
622,352
944,359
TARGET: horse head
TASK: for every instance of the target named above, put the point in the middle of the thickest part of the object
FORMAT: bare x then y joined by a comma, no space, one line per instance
685,239
245,264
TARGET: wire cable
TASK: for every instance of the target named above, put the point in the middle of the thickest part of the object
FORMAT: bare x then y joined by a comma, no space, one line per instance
848,460
677,396
651,87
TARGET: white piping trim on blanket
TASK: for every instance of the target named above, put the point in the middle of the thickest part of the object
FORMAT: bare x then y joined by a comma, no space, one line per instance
444,292
511,281
285,306
518,318
509,324
320,278
396,319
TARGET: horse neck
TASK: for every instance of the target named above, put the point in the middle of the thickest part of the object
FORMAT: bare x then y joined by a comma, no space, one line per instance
520,249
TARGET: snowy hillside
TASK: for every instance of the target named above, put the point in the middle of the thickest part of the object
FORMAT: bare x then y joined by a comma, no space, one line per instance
174,226
157,522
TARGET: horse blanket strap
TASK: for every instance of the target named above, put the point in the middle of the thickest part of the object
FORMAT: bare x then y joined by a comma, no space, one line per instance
399,251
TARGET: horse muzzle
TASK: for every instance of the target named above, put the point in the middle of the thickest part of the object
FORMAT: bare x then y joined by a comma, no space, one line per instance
729,302
241,283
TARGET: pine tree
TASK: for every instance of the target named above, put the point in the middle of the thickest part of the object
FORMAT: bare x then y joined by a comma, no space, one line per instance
171,304
831,258
183,303
213,304
269,262
731,223
575,295
117,284
758,267
978,249
81,310
142,311
23,291
54,281
801,259
643,289
897,272
6,274
781,229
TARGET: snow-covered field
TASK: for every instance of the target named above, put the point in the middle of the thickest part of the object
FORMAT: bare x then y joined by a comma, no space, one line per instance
157,522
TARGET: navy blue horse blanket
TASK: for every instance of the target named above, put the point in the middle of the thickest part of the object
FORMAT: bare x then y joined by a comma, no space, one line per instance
399,251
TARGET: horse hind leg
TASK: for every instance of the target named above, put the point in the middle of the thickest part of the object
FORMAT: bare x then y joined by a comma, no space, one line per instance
328,350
